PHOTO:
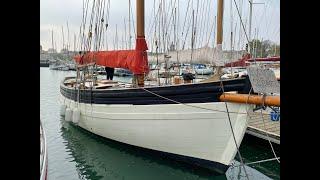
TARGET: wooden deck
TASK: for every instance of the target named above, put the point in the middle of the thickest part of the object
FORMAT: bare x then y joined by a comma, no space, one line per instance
260,129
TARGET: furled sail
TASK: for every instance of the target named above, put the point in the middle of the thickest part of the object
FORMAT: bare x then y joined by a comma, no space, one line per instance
204,55
134,60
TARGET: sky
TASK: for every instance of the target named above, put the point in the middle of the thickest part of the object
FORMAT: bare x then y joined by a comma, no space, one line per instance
56,14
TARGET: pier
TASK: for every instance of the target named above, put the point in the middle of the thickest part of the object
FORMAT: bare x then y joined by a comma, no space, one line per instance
262,128
44,63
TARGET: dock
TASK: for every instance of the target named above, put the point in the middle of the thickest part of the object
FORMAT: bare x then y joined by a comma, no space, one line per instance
44,63
262,128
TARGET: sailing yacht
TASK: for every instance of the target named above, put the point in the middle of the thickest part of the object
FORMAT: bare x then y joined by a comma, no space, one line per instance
203,70
186,121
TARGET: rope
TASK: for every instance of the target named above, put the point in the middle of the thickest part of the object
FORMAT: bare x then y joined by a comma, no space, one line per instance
107,23
134,30
177,102
244,29
200,23
261,161
234,137
167,26
212,30
206,26
188,27
185,19
210,110
264,125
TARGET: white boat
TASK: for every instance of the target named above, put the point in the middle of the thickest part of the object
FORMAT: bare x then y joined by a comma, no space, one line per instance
64,68
203,70
71,67
167,71
186,121
122,72
230,73
136,117
43,154
186,69
101,71
60,67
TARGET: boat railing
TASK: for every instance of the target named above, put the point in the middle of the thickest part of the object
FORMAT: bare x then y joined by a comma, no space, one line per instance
43,153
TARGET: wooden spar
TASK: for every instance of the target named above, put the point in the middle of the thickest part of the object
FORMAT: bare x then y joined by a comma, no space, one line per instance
219,36
140,18
139,78
220,22
251,99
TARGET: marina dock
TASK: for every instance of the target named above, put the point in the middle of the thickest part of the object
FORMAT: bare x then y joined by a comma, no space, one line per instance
44,63
262,128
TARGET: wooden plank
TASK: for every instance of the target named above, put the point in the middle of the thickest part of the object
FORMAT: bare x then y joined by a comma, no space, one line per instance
259,127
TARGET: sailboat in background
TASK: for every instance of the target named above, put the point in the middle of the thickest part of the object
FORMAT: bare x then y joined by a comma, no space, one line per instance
187,121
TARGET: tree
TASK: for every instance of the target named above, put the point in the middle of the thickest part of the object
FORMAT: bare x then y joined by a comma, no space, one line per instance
264,48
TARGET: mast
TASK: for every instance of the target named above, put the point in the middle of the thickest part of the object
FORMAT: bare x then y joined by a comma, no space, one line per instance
68,40
176,37
231,36
192,36
214,29
62,38
163,13
157,42
74,43
52,41
140,18
250,23
55,45
125,34
261,48
139,78
129,24
159,20
219,22
219,37
116,38
175,27
250,20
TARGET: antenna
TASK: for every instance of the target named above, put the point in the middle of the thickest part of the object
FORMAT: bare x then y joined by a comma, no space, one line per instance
62,38
250,20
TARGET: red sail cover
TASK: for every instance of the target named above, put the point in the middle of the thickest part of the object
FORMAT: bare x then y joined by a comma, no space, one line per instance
273,59
240,63
247,58
134,60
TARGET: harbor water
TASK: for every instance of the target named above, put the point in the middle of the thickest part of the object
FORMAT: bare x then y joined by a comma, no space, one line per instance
74,153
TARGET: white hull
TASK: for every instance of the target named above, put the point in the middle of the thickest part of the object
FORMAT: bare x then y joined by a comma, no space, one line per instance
122,72
172,128
206,71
